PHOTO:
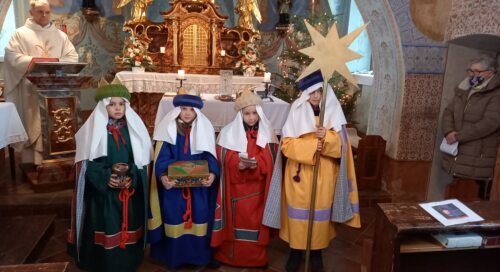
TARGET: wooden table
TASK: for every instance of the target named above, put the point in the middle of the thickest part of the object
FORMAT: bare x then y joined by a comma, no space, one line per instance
402,240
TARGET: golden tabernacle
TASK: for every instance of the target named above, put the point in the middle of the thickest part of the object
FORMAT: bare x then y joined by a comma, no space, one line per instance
192,38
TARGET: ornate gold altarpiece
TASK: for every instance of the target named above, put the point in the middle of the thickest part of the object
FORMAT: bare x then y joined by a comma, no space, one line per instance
193,35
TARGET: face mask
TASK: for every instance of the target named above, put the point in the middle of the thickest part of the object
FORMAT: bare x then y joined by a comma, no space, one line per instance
475,80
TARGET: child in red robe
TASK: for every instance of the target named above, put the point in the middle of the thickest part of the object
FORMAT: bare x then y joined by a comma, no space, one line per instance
246,150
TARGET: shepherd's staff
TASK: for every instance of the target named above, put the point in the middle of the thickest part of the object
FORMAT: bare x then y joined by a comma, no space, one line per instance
330,54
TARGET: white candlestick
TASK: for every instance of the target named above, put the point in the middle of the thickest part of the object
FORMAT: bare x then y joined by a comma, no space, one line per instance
162,49
180,74
223,53
267,77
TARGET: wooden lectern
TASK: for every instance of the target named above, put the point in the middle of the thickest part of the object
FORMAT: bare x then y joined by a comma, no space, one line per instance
58,85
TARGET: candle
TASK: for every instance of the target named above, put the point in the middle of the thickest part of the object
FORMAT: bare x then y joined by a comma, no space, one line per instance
180,74
267,77
162,49
223,53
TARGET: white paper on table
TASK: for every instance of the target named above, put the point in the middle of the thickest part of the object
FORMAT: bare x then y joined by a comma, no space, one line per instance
451,212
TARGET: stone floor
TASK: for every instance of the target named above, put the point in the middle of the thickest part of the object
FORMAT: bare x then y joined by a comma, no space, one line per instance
349,252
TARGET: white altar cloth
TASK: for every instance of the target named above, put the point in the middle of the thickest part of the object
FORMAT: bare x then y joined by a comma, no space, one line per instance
222,113
11,127
167,82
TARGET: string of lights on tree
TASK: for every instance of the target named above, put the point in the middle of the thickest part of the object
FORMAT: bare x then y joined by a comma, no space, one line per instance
292,62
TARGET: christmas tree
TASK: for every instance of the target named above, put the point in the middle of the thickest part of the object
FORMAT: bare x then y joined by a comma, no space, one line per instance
292,62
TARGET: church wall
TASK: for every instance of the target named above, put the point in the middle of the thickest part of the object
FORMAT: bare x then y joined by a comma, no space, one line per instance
388,68
473,17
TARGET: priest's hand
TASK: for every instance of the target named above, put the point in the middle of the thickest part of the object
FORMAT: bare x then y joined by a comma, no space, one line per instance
167,183
207,182
114,181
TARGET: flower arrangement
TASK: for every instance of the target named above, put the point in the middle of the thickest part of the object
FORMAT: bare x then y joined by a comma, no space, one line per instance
249,62
135,54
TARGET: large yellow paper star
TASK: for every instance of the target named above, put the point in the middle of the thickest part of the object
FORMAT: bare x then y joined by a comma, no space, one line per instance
331,53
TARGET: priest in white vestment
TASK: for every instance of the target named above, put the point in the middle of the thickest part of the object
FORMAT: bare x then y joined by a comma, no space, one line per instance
37,38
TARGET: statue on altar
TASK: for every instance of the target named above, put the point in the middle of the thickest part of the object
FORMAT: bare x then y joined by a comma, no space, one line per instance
138,9
247,8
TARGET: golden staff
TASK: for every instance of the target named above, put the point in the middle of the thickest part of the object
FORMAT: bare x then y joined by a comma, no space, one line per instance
315,176
330,54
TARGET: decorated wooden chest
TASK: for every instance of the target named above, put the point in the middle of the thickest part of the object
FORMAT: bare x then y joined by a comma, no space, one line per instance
188,173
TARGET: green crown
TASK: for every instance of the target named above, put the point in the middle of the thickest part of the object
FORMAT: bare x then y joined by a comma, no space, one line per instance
111,90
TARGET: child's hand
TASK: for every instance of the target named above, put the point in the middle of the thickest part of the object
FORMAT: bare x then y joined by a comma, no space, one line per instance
167,183
242,165
127,182
320,145
114,182
207,182
320,132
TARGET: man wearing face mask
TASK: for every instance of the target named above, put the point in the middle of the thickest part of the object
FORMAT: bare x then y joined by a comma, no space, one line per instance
473,120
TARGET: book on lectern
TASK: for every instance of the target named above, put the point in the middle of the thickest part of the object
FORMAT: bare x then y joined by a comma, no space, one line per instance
39,59
451,212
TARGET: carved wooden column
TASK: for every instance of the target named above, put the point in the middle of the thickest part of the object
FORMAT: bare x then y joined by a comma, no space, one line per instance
175,26
213,30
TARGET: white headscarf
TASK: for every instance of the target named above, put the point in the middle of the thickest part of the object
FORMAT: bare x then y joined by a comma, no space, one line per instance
301,118
92,137
201,137
233,135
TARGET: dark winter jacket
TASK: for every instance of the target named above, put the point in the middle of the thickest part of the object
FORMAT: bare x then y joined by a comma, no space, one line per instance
476,119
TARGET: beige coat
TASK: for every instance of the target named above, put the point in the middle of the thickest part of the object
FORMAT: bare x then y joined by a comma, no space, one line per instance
476,119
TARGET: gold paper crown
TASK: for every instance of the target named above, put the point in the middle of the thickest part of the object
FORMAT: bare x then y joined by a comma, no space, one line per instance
183,90
247,98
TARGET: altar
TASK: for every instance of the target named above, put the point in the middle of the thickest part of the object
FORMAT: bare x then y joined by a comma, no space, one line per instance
167,82
222,113
147,90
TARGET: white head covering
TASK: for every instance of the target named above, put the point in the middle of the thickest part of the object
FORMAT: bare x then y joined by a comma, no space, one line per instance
202,136
301,118
92,137
233,135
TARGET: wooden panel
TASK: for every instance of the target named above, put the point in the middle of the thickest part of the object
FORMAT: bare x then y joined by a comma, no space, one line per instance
495,187
369,162
463,189
146,106
45,267
23,237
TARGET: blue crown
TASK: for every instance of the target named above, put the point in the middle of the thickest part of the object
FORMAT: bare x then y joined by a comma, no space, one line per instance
188,100
310,80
